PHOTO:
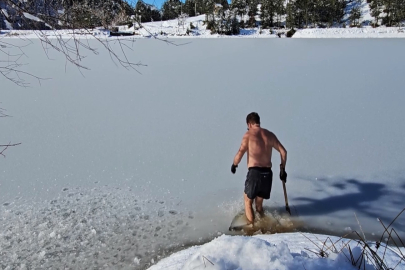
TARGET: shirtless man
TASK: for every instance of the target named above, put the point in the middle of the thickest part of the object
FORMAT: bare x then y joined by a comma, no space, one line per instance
258,142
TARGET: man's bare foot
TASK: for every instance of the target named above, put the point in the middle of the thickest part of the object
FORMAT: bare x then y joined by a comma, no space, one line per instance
261,213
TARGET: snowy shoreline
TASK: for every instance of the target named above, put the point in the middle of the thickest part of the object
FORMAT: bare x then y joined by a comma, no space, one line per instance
313,33
173,29
280,251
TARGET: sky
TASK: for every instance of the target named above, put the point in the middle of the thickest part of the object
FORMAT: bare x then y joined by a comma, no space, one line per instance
157,3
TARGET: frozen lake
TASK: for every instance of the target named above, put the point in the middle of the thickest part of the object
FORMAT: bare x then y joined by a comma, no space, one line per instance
115,165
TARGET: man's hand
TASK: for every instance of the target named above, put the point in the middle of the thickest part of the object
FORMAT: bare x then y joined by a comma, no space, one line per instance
283,174
233,168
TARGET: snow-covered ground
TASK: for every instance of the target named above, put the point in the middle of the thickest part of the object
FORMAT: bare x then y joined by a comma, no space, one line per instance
178,29
282,251
118,170
364,32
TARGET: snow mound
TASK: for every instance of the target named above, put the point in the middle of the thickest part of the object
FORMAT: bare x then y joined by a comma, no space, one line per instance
228,252
286,251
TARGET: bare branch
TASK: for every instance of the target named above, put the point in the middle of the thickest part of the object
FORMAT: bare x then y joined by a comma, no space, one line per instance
72,46
5,146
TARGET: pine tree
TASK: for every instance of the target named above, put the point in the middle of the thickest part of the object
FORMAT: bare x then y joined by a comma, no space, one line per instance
376,10
291,12
239,7
280,10
171,9
190,7
355,13
267,13
304,10
398,12
252,11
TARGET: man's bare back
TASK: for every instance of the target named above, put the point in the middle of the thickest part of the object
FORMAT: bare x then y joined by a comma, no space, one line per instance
258,143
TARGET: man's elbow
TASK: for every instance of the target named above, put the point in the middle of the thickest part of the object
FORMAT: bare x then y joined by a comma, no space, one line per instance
284,152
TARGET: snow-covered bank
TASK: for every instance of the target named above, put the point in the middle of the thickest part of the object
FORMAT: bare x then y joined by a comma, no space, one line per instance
365,32
175,29
281,252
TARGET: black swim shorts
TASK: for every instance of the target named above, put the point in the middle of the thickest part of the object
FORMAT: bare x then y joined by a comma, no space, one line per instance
258,182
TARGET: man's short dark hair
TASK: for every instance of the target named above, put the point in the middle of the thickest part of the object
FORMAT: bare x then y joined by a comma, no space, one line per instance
253,118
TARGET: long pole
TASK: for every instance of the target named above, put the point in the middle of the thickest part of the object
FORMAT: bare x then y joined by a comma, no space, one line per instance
287,208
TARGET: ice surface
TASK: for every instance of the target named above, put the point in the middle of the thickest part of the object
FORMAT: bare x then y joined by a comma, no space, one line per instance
103,227
170,135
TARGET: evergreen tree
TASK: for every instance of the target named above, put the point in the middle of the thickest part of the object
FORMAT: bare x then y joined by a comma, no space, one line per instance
280,10
171,9
239,7
376,10
210,16
303,15
228,24
355,13
190,7
291,12
146,12
268,11
252,11
398,12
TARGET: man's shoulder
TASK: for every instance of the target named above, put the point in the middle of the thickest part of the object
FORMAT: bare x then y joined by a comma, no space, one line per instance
270,135
267,131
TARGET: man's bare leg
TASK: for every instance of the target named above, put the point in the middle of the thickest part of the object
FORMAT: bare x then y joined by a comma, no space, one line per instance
249,209
259,206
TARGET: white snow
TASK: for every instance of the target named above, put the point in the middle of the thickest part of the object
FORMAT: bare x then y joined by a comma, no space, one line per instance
4,11
364,32
281,252
31,17
176,29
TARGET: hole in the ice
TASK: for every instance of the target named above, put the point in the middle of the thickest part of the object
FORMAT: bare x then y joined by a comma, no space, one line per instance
6,204
173,212
158,228
161,202
65,189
